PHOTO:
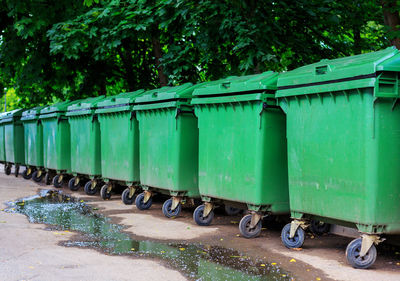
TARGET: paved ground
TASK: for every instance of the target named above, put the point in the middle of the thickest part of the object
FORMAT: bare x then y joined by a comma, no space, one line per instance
30,252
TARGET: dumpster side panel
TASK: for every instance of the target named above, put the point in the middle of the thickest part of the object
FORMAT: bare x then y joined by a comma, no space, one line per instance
186,161
327,153
2,144
241,149
119,146
85,145
158,147
14,143
63,144
33,143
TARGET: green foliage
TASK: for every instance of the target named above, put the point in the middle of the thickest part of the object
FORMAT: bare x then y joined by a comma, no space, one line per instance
12,100
74,49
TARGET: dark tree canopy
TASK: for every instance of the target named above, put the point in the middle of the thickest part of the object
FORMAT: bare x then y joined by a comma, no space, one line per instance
56,50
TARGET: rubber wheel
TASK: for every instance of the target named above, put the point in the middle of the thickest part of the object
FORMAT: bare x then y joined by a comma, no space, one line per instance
72,186
319,227
198,216
353,255
7,170
246,231
89,190
47,179
166,209
125,197
231,211
139,202
25,174
37,178
56,182
104,194
297,241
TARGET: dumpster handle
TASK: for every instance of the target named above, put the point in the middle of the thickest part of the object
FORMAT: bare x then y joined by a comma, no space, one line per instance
264,107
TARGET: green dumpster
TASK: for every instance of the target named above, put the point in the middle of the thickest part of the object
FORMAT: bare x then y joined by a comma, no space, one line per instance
2,140
168,147
119,144
13,140
242,149
343,132
56,142
33,134
85,144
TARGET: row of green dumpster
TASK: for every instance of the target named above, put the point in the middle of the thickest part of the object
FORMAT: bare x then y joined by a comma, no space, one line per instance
321,142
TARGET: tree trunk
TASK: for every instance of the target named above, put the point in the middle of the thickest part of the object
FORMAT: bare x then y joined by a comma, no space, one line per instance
158,54
127,60
357,39
391,19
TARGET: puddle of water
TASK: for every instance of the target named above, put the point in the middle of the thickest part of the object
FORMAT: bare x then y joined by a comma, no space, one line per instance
198,262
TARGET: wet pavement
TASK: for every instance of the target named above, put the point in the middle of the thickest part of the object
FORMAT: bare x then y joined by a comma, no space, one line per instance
195,261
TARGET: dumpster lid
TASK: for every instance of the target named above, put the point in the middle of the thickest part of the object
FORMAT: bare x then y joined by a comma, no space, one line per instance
120,100
85,105
57,107
248,84
165,94
32,113
338,74
12,115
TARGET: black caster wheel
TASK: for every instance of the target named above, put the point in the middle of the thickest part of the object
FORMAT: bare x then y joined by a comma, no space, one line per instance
27,174
90,189
297,240
166,209
246,231
7,170
104,194
16,171
58,181
353,255
200,219
139,202
47,179
319,227
73,185
231,211
125,197
37,176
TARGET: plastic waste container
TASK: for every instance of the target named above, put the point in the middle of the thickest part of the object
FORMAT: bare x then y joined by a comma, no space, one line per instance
119,144
242,149
13,140
168,147
33,134
56,142
343,133
2,141
85,144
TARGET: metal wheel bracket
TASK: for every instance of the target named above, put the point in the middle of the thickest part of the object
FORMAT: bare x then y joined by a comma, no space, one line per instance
60,178
367,241
109,187
28,171
294,225
39,173
147,196
132,191
207,208
76,181
255,218
93,184
175,202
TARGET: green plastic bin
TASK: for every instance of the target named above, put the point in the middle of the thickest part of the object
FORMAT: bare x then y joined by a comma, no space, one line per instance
119,144
85,144
343,132
13,140
56,142
242,149
168,147
33,134
2,140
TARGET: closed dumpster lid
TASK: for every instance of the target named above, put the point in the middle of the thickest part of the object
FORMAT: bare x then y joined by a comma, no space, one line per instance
166,97
60,107
84,106
120,102
248,87
353,72
32,113
12,115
